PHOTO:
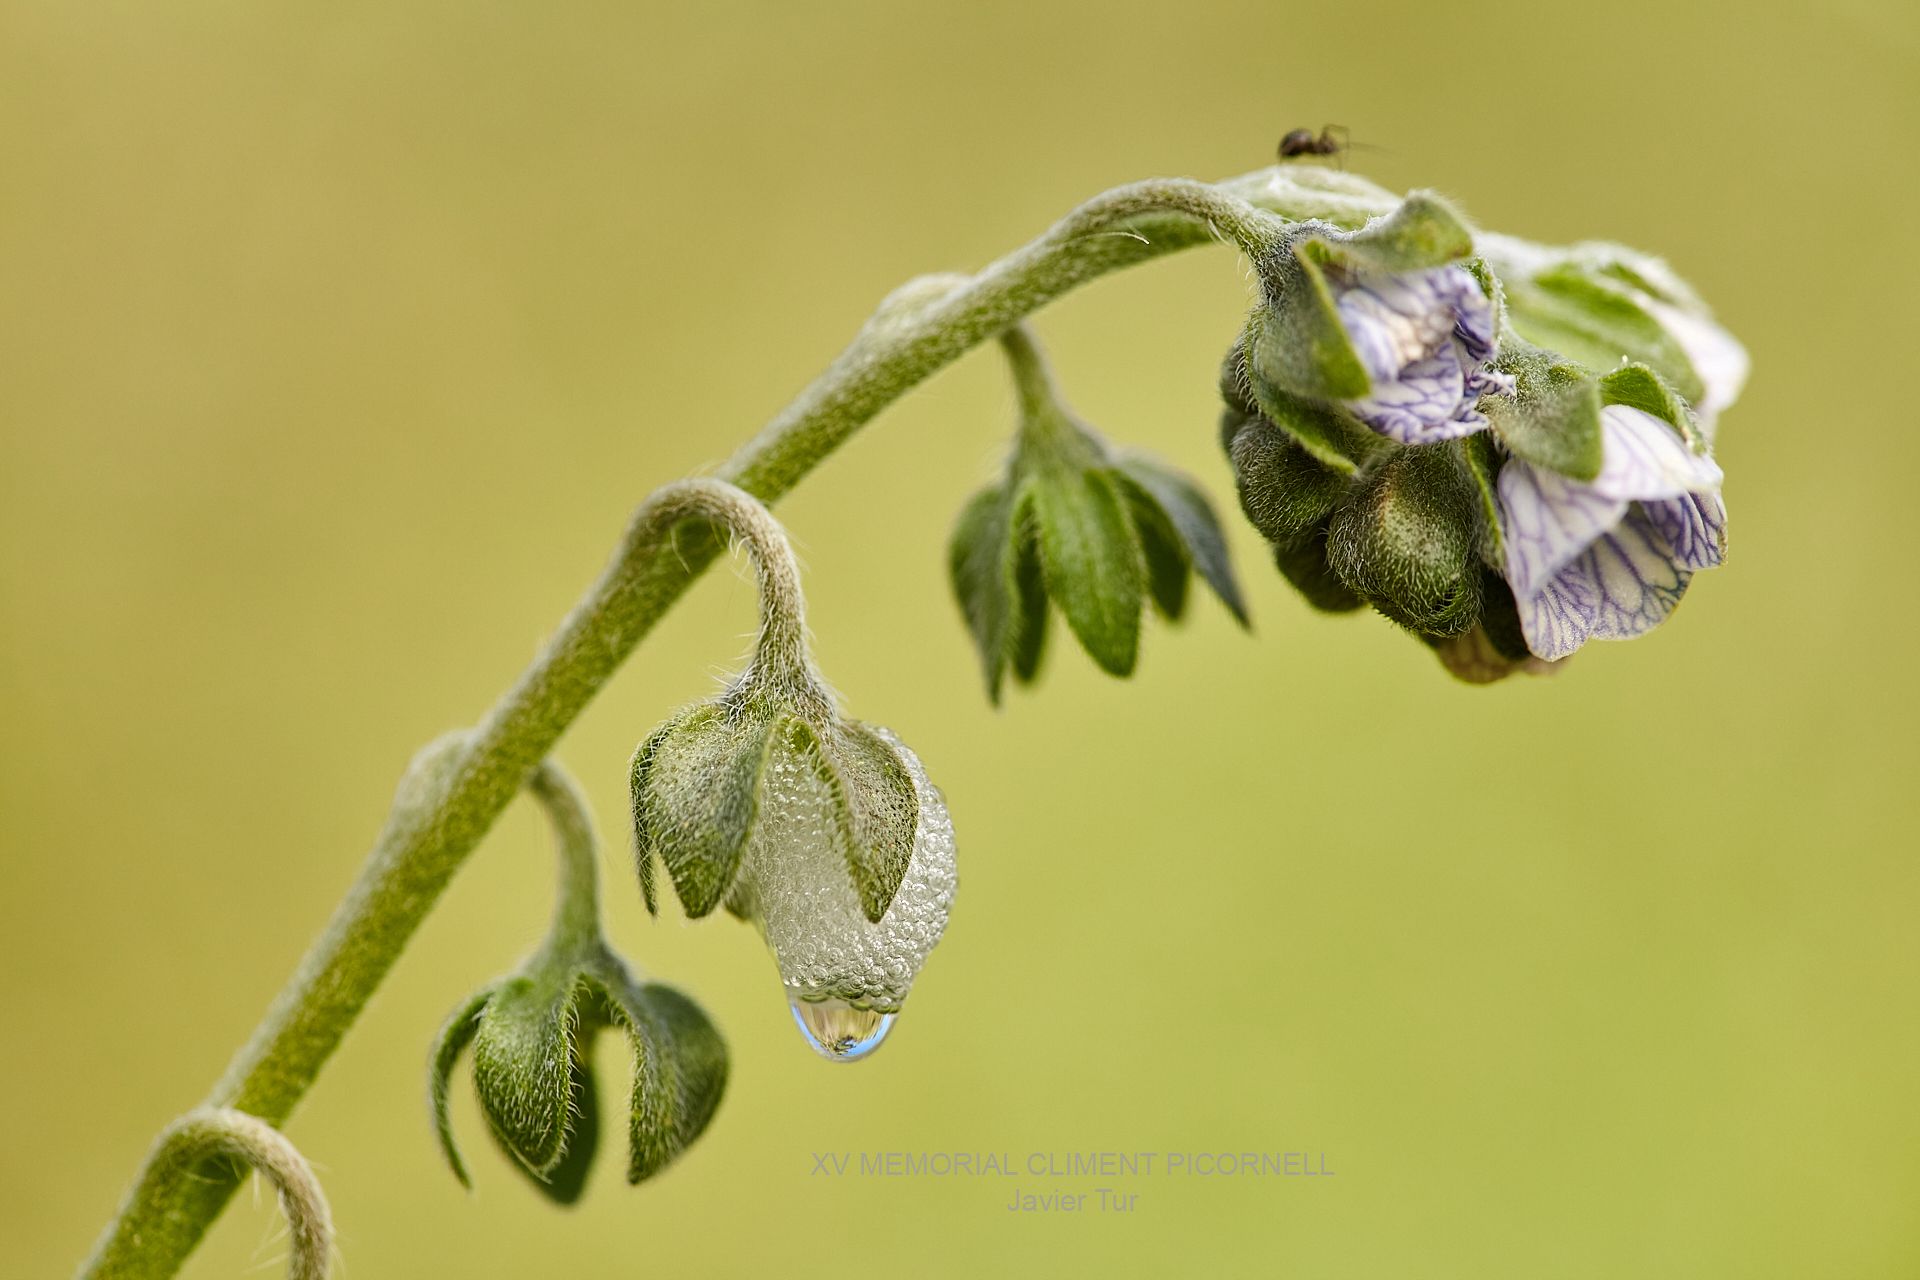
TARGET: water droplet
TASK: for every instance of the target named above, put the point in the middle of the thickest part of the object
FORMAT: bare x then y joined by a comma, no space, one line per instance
839,1032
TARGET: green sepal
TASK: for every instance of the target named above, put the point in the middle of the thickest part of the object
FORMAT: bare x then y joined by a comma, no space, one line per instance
1168,572
1407,540
1285,491
679,1067
1482,459
1553,417
1638,387
1491,286
644,852
522,1063
875,805
696,794
1303,563
1327,431
1592,320
1178,531
992,566
1028,645
1295,339
452,1040
1089,560
1422,233
1500,618
566,1181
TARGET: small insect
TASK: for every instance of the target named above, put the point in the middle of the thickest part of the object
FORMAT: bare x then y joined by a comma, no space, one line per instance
1330,141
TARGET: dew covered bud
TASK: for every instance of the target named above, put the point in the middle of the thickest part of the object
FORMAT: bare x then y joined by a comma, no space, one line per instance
822,830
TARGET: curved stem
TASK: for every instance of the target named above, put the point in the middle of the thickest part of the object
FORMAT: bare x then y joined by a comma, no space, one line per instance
440,816
576,907
207,1143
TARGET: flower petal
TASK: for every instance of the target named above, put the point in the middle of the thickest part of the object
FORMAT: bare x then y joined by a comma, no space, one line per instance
1715,355
1645,458
1425,404
1694,526
1546,522
1393,321
1624,586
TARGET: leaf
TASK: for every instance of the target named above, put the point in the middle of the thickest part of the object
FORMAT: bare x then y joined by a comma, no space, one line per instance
1090,561
697,797
1553,417
1186,510
454,1036
522,1063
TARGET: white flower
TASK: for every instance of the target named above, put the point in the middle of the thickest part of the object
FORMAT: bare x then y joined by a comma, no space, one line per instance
1609,558
1425,338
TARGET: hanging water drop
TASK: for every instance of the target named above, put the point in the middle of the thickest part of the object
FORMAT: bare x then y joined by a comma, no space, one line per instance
839,1032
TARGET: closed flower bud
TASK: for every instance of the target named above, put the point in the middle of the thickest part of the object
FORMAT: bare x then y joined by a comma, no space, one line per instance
822,830
1076,524
1407,541
532,1032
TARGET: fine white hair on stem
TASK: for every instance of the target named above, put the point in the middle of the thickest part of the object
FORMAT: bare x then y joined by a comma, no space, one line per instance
222,1132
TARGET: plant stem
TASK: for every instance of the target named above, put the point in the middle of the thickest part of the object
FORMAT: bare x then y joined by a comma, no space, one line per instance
445,806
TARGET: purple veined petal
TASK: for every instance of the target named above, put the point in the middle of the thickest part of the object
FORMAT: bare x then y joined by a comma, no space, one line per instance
1546,522
1472,312
1623,586
1482,381
1644,458
1638,582
1694,526
1420,405
1393,321
1558,619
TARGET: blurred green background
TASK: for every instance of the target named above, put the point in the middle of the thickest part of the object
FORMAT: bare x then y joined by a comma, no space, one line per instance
339,340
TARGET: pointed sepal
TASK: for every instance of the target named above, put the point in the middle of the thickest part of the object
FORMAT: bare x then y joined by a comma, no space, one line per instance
696,793
1179,534
523,1064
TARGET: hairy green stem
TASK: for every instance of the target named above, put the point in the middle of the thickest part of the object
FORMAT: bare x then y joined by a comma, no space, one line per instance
576,906
447,804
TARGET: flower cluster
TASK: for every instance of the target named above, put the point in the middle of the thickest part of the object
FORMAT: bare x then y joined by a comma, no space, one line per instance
1506,450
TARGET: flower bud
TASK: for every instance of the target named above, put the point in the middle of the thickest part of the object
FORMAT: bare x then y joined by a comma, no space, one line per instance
532,1034
1097,532
1407,540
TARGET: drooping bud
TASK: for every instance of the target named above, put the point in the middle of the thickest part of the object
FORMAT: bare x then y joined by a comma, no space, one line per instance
821,829
532,1034
1095,531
